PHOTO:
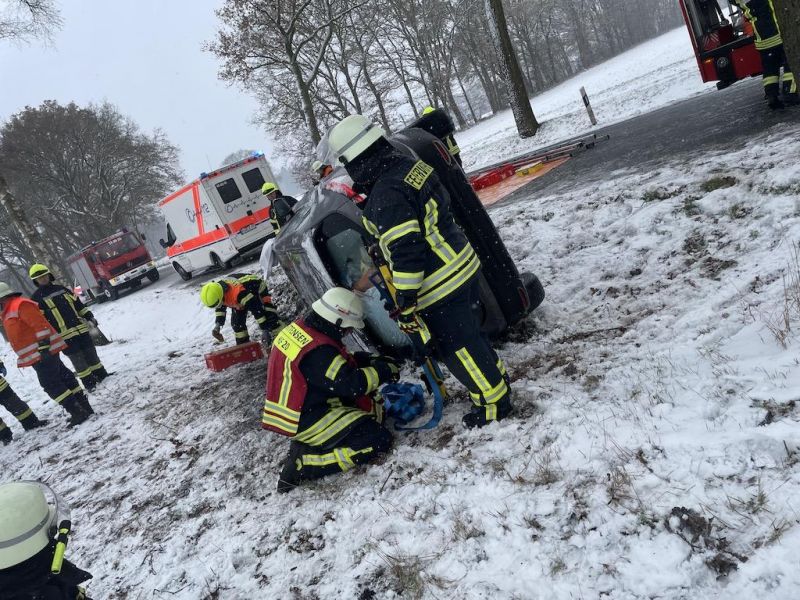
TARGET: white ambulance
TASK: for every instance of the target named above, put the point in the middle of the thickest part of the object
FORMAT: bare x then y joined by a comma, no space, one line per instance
219,218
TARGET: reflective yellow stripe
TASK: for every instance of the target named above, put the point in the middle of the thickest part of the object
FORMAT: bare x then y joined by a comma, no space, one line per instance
56,314
373,381
341,456
283,411
407,281
85,373
262,319
771,80
333,423
245,299
286,385
62,397
241,334
435,239
370,227
289,428
395,233
3,384
490,394
336,364
24,415
426,299
3,425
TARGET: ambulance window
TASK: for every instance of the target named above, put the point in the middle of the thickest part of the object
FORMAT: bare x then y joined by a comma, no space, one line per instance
253,179
228,190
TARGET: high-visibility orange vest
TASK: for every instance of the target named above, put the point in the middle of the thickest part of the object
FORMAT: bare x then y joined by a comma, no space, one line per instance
27,330
286,384
231,297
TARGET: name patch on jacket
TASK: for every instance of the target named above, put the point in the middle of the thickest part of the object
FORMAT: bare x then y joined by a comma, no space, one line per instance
291,340
418,175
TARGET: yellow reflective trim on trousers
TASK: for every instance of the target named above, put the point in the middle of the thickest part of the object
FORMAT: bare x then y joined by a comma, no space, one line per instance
373,381
435,239
245,299
241,334
59,399
490,394
319,460
24,415
431,297
286,385
771,80
333,423
342,456
85,373
447,271
96,367
3,425
333,369
3,384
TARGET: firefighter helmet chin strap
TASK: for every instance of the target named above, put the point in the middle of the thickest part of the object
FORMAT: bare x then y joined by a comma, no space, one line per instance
60,524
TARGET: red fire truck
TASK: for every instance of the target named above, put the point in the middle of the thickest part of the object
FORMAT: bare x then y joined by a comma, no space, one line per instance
722,39
102,269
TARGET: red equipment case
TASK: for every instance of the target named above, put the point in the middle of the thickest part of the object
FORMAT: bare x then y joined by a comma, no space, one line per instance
234,355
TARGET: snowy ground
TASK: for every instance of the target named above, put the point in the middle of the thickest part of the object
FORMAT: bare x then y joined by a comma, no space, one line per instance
659,374
651,75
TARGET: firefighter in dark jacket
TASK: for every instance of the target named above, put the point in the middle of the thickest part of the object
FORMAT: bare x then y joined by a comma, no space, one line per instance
33,538
67,314
38,345
437,122
242,293
281,208
769,43
322,396
434,268
17,407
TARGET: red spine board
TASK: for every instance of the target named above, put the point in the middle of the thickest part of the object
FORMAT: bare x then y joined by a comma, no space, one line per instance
235,355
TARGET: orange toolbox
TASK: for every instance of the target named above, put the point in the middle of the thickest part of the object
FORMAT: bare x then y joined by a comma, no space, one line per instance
234,355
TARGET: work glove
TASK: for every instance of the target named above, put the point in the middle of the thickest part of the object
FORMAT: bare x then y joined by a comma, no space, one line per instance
407,319
216,334
3,371
387,366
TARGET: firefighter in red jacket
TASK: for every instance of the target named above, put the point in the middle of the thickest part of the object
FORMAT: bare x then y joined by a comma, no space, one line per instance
769,43
242,293
38,345
322,396
17,407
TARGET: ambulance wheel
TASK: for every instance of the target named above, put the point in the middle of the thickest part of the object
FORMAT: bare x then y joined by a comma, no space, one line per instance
217,262
185,275
153,275
534,288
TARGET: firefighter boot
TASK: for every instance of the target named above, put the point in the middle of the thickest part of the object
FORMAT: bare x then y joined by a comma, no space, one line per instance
32,422
291,473
774,101
483,415
76,405
791,99
5,435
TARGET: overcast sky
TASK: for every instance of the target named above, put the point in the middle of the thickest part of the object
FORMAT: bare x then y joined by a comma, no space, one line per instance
145,57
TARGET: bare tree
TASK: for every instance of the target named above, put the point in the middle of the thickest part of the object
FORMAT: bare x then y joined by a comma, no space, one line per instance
24,20
788,15
527,125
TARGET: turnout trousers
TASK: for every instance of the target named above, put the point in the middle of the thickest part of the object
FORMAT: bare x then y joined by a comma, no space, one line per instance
83,356
364,440
460,344
16,406
59,382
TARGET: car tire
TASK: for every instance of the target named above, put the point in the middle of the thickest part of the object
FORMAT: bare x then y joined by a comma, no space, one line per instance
185,275
534,288
217,262
153,275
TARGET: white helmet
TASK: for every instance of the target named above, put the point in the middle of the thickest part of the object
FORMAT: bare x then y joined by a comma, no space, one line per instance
6,291
26,522
316,167
340,307
352,136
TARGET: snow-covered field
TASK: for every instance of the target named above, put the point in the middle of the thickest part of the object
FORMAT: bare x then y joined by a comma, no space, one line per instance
661,372
654,453
649,76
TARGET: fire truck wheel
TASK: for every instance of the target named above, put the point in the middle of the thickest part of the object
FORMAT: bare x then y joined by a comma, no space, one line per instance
110,291
185,275
153,275
534,288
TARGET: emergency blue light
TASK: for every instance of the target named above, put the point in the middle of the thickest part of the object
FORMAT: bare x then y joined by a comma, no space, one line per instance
203,175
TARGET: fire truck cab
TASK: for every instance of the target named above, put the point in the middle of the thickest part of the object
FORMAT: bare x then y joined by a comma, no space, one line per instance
722,40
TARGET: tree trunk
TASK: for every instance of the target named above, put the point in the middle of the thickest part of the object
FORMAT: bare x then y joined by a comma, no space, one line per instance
788,15
466,97
527,125
27,232
308,106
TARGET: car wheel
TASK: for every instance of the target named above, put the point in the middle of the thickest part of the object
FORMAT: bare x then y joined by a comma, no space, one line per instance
153,275
185,275
534,288
217,261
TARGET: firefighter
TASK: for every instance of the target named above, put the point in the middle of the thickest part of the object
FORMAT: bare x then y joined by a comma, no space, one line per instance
281,207
437,122
242,293
33,538
433,266
17,407
38,345
769,43
320,171
70,318
322,396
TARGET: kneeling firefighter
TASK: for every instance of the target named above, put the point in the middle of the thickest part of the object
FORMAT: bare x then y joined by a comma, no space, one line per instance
67,314
38,345
322,396
242,293
17,407
433,266
33,540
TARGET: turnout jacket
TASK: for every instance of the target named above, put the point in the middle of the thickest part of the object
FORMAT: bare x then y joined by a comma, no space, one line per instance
63,309
761,13
408,213
316,389
244,292
279,210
